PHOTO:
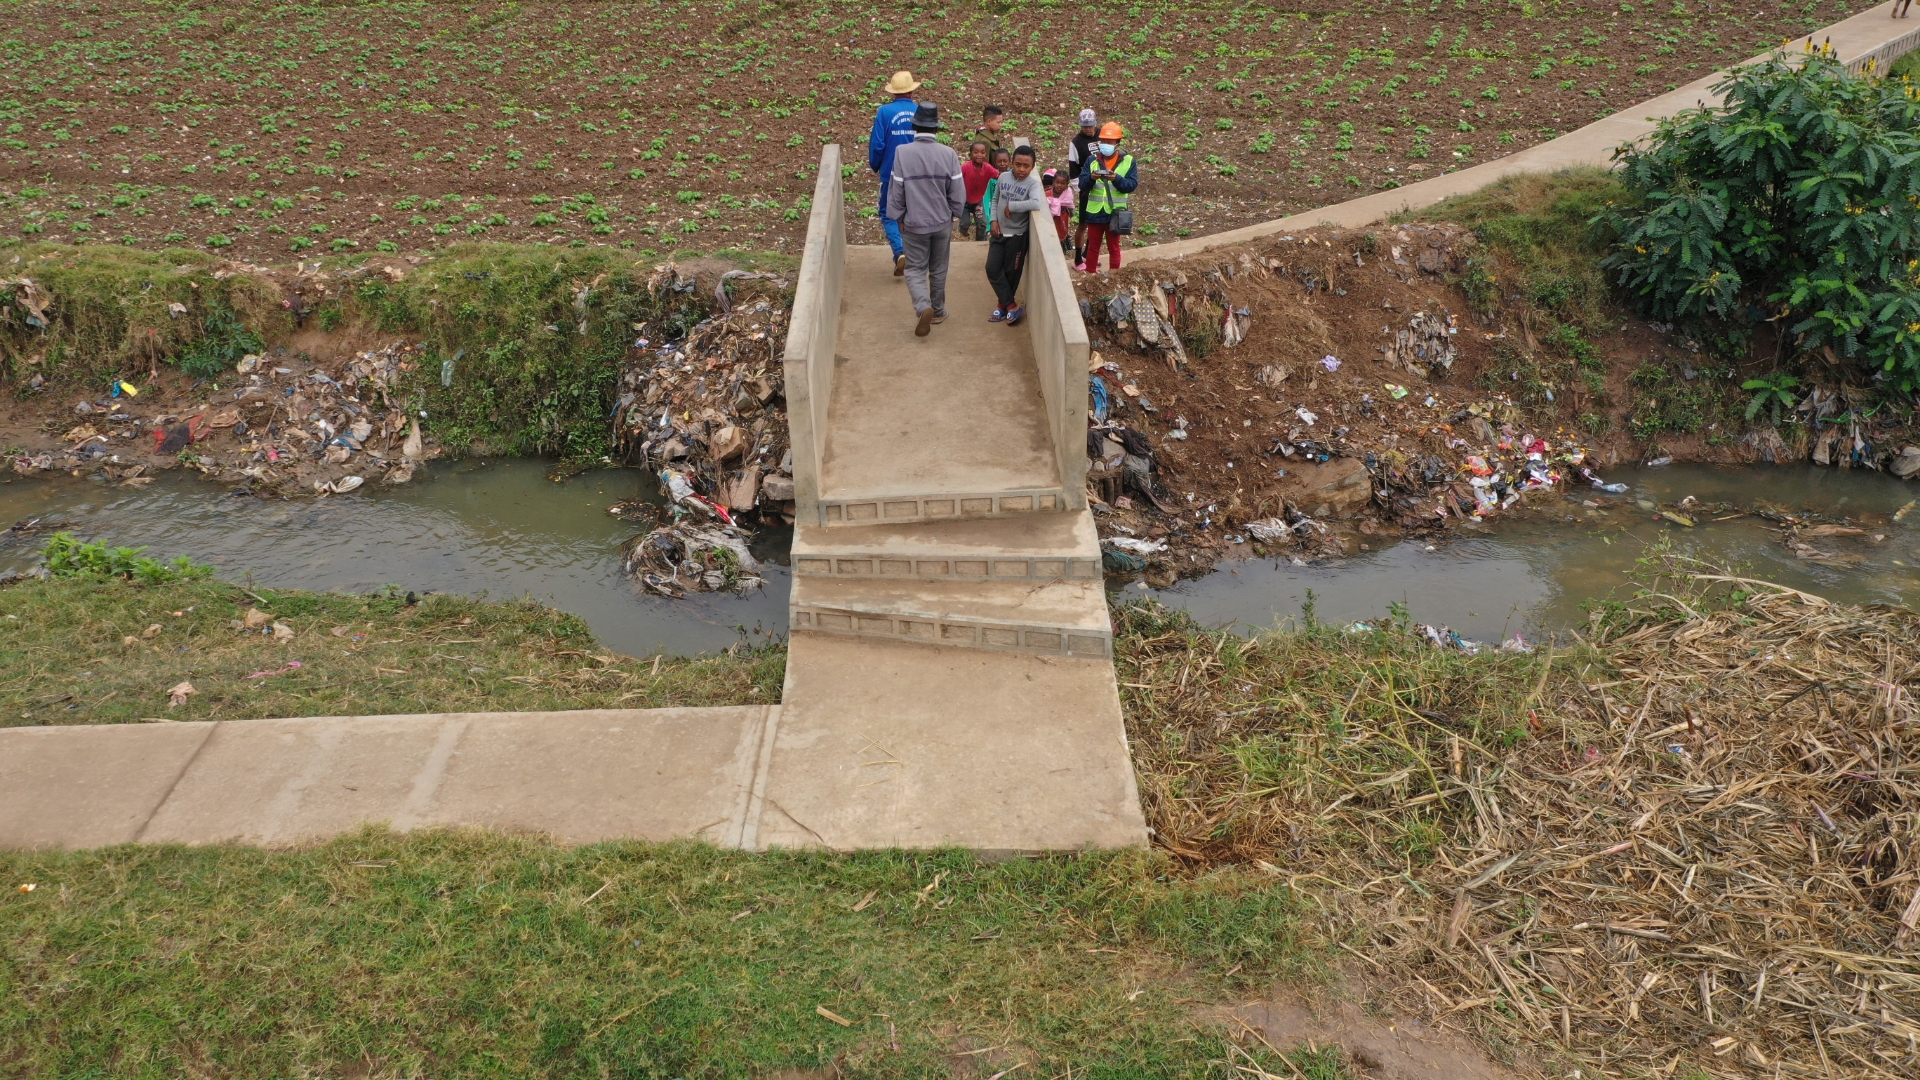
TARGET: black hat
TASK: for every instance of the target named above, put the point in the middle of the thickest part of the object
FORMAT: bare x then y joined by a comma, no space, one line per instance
926,117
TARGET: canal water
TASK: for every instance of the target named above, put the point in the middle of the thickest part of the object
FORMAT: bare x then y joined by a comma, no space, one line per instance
501,529
504,530
1531,572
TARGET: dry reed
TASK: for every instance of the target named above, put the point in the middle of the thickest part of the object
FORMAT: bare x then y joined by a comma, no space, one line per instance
1688,840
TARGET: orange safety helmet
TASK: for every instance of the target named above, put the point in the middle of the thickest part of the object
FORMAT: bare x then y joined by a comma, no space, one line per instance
1111,132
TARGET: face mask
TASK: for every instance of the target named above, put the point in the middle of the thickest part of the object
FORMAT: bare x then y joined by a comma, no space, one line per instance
1107,149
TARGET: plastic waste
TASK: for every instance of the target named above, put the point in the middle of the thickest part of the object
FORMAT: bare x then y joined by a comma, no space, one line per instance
1101,402
1134,546
1121,562
1659,461
679,488
1179,429
1330,363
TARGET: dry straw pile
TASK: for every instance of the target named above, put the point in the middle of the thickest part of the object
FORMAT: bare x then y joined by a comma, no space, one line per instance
1686,845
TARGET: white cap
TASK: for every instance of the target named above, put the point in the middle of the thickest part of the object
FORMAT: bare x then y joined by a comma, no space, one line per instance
1087,118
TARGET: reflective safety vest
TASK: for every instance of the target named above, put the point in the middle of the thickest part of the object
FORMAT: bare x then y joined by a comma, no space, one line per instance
1103,197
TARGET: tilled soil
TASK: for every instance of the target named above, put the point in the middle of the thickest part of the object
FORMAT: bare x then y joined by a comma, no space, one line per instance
272,130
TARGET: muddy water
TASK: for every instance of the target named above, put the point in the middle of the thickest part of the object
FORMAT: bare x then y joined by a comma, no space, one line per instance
504,530
1530,573
501,529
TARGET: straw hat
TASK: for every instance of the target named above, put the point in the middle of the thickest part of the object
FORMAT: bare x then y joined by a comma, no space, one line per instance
902,82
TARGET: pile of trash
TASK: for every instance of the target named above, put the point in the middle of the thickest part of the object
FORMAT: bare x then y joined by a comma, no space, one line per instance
1425,347
700,550
288,426
709,408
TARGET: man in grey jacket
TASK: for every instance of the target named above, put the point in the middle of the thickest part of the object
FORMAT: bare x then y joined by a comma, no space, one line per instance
924,195
1016,196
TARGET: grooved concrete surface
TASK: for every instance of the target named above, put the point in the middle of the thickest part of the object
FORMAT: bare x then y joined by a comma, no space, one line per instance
1871,33
956,412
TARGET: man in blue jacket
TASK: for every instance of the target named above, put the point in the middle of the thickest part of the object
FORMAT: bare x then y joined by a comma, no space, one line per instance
892,128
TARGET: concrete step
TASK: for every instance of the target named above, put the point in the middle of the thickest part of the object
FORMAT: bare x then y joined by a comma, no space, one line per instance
1057,618
1032,547
866,508
897,744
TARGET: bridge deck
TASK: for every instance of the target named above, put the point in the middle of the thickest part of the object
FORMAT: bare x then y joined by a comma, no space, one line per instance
958,411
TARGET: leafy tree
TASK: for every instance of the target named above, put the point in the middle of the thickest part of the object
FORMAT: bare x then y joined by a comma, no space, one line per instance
1800,193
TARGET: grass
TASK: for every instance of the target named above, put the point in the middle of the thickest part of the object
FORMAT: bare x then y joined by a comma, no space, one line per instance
1537,228
110,315
477,954
1230,733
469,954
1315,794
66,657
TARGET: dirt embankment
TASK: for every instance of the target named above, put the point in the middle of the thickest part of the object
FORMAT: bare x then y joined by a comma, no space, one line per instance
1321,393
330,402
313,411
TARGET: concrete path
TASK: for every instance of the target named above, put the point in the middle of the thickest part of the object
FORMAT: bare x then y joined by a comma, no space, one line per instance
579,776
1871,35
904,744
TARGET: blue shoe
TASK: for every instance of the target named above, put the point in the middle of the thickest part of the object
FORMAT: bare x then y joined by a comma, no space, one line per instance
999,314
1016,313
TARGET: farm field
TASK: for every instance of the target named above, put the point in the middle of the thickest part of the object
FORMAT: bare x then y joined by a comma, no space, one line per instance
267,131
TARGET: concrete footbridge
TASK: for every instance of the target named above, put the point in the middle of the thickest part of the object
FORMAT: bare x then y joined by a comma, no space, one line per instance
949,676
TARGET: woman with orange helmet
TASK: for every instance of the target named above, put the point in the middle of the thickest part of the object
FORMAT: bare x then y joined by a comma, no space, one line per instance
1108,180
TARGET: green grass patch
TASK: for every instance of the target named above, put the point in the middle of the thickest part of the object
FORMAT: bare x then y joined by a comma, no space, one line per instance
470,954
1537,228
112,313
87,651
535,336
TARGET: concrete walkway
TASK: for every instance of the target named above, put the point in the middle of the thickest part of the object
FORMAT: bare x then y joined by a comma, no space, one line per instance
1871,35
595,774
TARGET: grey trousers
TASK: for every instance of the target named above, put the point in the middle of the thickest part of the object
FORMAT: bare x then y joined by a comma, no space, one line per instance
927,255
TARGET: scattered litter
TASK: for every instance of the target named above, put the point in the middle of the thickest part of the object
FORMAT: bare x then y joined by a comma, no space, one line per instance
179,693
1134,546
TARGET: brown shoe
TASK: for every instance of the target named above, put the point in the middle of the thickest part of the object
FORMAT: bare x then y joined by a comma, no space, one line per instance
939,317
925,324
899,266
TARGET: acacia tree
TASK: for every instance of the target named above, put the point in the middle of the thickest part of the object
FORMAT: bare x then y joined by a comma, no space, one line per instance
1800,195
